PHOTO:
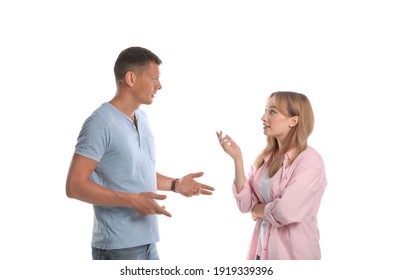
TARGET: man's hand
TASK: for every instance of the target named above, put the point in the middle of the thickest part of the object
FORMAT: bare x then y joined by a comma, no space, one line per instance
145,203
187,186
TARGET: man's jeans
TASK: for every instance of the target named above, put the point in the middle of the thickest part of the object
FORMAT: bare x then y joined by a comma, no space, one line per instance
144,252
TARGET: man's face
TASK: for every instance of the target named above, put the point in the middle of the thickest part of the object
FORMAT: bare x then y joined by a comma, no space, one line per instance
147,84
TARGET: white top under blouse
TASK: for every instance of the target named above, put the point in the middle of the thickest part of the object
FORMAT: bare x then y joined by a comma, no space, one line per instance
265,186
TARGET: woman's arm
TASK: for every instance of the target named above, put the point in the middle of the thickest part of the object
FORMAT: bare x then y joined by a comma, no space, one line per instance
233,150
302,193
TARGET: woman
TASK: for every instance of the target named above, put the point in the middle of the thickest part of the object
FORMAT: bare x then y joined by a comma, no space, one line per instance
284,188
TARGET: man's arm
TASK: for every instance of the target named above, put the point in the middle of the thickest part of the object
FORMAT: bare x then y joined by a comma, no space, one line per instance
79,186
186,185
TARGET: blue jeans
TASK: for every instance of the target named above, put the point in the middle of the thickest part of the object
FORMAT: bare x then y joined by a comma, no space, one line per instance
144,252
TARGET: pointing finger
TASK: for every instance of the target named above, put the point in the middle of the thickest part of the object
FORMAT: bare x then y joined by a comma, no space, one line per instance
205,192
206,187
161,210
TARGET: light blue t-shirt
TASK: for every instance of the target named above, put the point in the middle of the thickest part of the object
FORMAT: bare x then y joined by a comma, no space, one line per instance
126,163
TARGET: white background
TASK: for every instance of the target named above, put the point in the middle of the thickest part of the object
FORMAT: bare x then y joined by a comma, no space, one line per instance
221,60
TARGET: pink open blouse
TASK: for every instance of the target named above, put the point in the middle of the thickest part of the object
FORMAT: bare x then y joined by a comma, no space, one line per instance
296,191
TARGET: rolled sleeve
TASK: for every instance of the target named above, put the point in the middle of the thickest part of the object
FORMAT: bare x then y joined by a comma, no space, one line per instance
301,196
246,199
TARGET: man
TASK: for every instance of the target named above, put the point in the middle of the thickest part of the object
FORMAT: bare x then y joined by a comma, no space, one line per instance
113,166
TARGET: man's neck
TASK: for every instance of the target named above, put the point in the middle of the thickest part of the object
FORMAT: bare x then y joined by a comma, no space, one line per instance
124,105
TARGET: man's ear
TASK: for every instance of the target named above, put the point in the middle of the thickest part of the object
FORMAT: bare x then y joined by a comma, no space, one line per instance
294,121
129,78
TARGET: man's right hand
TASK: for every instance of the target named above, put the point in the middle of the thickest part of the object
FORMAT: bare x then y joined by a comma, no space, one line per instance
145,203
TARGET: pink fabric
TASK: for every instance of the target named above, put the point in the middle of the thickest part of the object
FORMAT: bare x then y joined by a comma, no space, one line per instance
292,232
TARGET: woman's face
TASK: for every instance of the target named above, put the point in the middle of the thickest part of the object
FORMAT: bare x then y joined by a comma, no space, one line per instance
276,124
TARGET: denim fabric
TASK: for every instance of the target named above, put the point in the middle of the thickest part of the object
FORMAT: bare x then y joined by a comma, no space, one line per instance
144,252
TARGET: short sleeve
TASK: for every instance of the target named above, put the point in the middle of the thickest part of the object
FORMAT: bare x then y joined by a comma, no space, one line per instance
93,139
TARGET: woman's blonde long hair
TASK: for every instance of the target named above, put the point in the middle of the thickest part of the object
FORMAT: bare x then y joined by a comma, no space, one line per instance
289,104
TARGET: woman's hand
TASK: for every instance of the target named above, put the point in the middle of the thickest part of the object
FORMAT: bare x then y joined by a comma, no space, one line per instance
229,146
232,149
258,212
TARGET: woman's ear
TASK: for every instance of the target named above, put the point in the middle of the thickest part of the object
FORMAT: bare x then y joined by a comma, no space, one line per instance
293,121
